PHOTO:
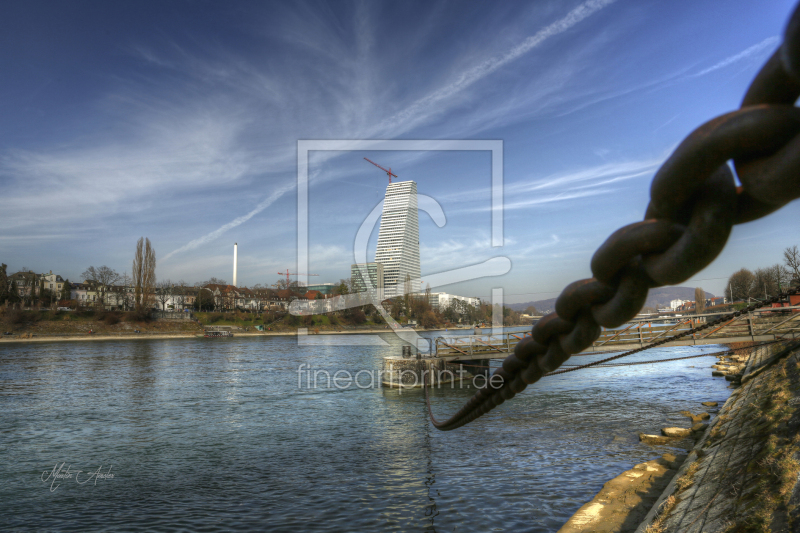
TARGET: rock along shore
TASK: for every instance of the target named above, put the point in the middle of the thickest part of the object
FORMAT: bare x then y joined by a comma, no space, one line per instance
741,475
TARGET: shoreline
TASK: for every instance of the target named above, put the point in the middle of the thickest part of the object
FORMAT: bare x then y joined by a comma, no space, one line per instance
184,335
724,483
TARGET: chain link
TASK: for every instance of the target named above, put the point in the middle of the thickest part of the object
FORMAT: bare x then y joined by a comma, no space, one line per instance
694,203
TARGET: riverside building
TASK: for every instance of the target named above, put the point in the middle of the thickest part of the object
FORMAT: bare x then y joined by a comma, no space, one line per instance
368,277
398,239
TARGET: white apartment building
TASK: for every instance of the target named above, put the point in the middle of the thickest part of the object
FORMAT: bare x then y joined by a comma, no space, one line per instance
674,304
442,300
398,239
53,282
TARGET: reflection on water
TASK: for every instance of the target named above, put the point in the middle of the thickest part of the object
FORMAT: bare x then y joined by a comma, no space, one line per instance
216,435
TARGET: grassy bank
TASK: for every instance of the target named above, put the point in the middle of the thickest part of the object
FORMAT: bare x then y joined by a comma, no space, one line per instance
97,322
85,322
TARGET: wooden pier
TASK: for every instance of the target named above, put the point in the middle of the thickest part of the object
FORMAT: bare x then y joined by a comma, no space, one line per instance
448,351
758,326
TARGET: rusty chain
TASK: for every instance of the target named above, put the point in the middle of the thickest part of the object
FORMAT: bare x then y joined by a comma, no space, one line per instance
694,203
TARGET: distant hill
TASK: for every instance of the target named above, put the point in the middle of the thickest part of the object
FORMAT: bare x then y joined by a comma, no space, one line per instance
663,295
660,297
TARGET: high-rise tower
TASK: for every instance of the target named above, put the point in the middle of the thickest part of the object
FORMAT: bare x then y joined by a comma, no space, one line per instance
398,239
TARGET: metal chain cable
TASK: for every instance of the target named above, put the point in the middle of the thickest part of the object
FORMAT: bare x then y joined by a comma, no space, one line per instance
597,364
602,362
614,365
694,203
692,331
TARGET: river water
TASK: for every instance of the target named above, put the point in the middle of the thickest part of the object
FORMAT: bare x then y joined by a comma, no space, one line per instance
224,434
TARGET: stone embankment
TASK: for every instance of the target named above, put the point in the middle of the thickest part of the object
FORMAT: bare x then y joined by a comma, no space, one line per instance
742,475
741,472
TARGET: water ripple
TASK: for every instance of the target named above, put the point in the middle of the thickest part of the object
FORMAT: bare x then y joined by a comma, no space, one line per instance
216,436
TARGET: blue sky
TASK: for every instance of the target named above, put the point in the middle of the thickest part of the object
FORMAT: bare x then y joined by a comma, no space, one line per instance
179,121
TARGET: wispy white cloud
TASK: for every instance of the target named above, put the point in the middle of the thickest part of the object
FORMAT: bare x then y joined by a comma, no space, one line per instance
540,200
418,110
595,175
569,185
756,49
209,237
454,252
670,121
166,158
326,256
201,116
577,102
433,102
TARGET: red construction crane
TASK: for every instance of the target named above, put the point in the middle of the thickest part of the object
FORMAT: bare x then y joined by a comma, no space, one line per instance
287,273
388,172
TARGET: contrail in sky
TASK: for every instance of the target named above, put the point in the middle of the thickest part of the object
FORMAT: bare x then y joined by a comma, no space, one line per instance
416,109
488,66
756,48
232,224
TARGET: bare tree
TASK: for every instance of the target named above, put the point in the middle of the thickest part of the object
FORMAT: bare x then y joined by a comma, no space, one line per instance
125,295
66,291
179,295
164,293
783,275
769,280
791,257
137,273
144,274
4,287
740,284
292,285
33,289
343,287
699,300
104,276
406,292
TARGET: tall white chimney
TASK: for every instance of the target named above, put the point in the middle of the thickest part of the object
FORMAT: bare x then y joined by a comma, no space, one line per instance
235,254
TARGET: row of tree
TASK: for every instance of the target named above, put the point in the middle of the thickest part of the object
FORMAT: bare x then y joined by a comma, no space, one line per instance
143,281
763,283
